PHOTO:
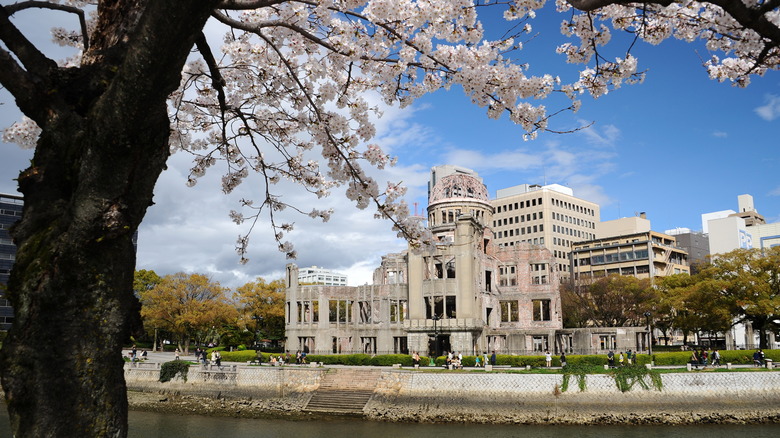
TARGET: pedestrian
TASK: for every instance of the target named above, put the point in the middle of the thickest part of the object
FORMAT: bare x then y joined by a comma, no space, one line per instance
547,359
484,358
620,358
303,357
476,361
629,358
177,354
416,359
133,353
143,354
611,359
694,359
716,358
493,358
219,359
213,357
563,359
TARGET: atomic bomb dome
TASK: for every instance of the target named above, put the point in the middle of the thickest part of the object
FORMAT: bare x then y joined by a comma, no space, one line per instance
455,195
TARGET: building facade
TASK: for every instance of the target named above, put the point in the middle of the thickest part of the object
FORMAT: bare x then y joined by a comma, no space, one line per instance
549,216
627,246
10,212
316,275
696,244
463,293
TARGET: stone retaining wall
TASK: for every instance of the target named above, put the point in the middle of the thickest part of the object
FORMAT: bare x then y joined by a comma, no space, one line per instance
406,395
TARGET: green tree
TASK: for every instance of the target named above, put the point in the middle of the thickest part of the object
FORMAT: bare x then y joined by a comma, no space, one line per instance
262,305
185,305
746,284
144,280
669,313
612,301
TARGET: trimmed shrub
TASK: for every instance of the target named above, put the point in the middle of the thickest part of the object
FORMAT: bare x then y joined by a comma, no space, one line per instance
390,359
238,356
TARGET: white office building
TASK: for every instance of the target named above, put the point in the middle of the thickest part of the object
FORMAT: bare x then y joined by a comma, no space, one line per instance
317,275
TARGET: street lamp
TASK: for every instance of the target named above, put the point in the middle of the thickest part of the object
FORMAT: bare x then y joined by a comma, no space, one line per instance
649,335
435,341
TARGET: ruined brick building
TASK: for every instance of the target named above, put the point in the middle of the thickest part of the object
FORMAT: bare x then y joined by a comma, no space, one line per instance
465,293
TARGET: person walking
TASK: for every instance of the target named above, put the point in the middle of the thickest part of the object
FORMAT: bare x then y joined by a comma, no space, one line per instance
563,359
547,359
493,358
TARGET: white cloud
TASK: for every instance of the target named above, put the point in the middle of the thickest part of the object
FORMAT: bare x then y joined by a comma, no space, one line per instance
188,229
605,135
720,134
771,110
775,192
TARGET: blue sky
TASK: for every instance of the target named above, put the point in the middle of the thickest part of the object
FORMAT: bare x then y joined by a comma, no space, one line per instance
676,146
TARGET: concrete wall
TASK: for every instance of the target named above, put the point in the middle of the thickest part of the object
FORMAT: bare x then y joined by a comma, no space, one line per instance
407,395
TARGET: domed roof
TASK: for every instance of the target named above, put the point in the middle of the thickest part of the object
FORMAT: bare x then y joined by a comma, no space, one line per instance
459,186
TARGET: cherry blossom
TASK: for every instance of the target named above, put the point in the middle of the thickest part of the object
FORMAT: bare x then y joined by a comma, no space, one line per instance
290,78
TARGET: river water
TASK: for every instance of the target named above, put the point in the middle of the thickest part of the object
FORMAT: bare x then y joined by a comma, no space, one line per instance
157,425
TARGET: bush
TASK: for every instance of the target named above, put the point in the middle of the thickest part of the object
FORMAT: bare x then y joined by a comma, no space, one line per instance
390,359
169,370
238,356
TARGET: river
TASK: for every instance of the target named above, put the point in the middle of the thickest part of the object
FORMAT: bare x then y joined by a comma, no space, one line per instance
157,425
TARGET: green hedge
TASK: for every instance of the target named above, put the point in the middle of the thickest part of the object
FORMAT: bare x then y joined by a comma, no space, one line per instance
661,358
737,357
238,356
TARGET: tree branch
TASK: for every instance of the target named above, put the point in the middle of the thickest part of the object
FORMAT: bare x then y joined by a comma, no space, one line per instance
591,5
217,81
33,59
12,9
247,4
24,84
751,18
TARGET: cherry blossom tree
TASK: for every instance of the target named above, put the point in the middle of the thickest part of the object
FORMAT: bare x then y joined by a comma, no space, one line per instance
289,80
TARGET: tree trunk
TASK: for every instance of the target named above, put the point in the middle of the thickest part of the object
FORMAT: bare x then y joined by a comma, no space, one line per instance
104,143
71,286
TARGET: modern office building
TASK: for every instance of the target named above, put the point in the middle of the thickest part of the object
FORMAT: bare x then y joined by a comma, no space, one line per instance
464,293
695,243
549,216
729,230
316,275
628,246
10,212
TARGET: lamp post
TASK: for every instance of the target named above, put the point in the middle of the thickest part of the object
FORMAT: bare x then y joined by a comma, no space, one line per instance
435,341
649,334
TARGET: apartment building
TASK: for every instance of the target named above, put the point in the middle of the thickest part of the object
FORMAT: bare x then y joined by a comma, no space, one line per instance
10,212
628,246
549,216
317,275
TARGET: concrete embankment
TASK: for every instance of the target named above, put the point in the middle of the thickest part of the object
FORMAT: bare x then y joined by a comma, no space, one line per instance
472,397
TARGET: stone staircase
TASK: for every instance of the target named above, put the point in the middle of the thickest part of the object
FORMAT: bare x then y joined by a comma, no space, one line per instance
344,391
